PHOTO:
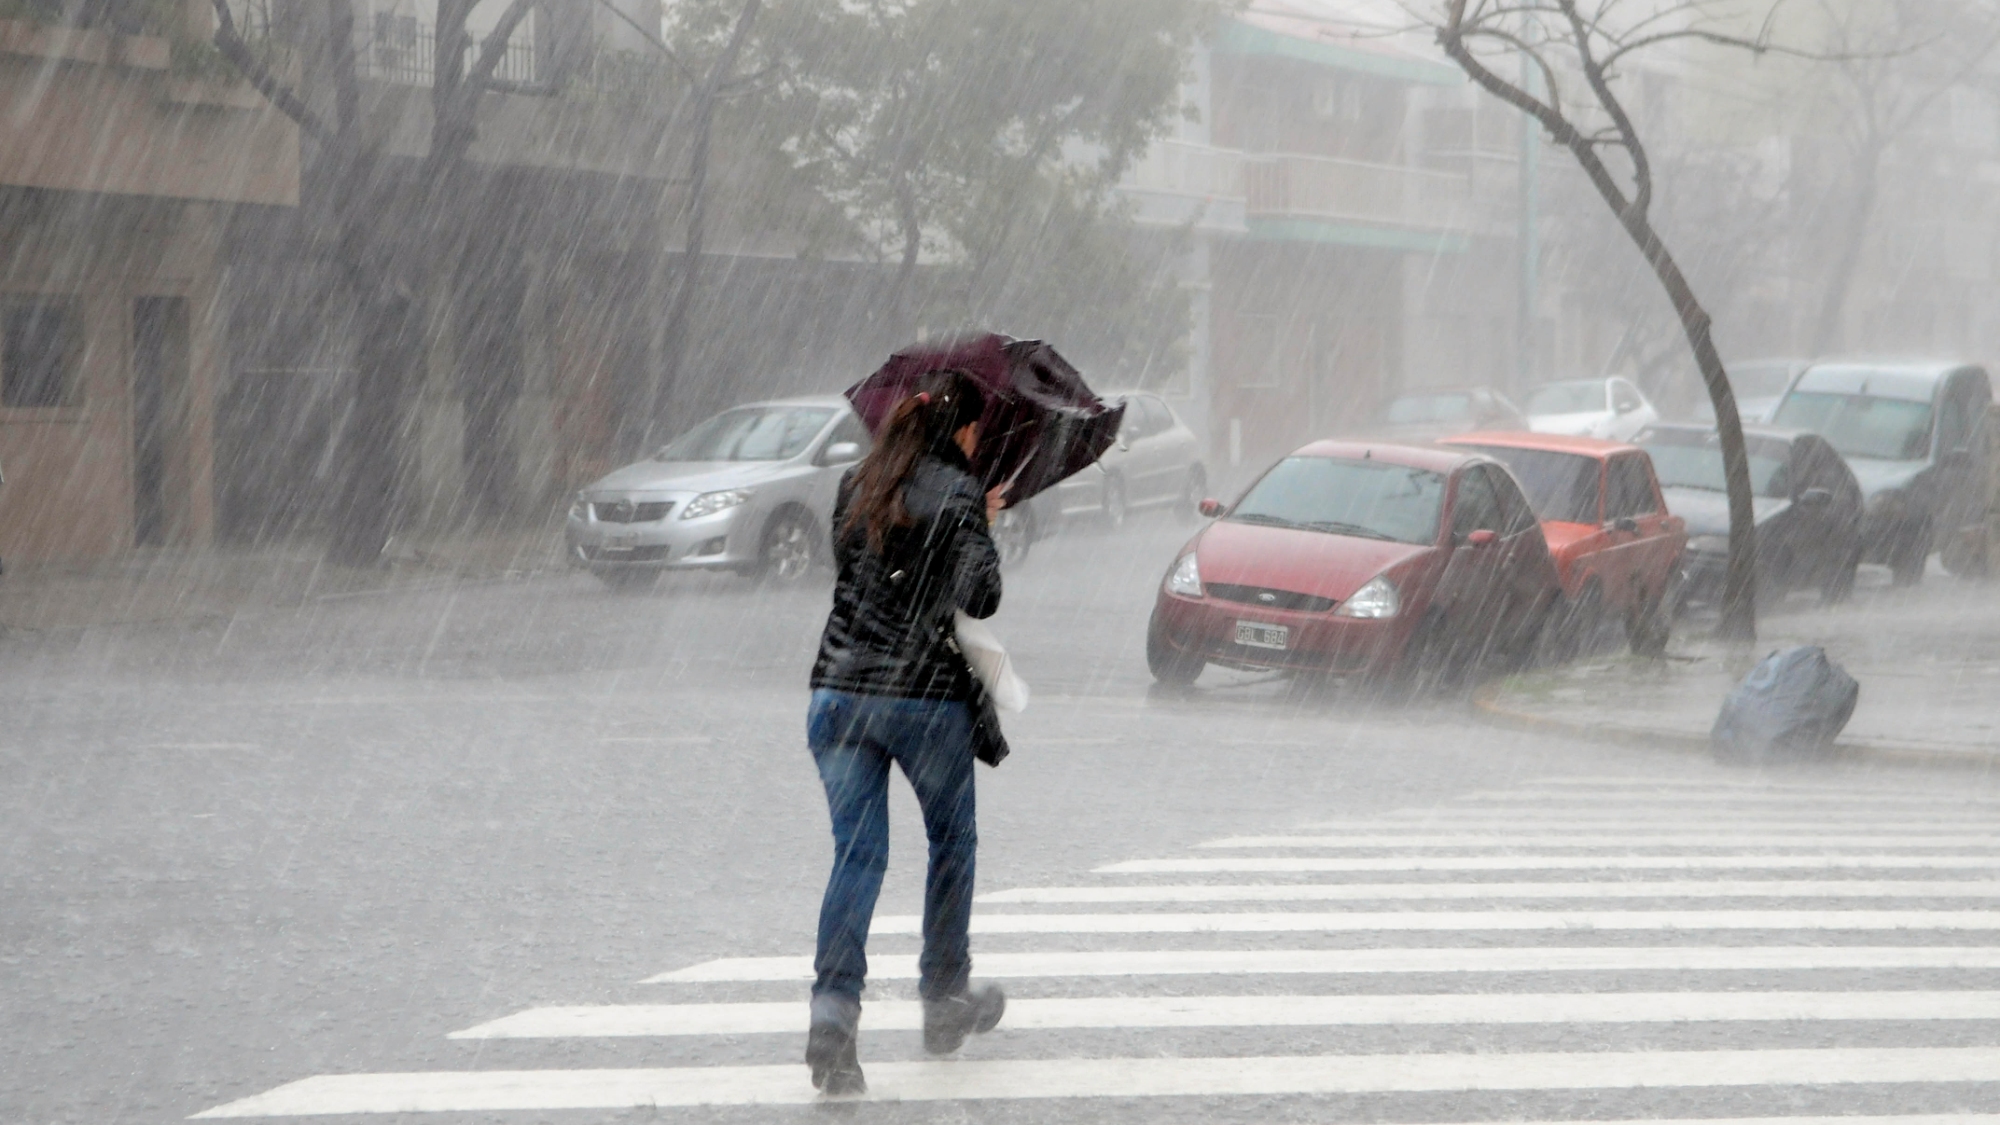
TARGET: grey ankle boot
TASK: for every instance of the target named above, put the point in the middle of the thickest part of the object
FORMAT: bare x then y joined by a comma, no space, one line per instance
830,1045
948,1021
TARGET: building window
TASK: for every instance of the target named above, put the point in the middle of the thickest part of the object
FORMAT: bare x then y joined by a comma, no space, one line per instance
37,354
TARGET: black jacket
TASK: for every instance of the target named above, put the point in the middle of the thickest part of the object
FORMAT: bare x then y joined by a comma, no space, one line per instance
891,626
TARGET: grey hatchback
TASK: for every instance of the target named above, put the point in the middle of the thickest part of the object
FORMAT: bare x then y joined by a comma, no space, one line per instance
750,490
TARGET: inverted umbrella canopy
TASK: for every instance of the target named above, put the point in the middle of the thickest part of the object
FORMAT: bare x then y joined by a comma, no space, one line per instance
1041,422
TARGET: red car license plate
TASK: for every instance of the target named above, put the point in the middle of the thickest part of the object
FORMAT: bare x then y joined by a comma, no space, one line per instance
1256,634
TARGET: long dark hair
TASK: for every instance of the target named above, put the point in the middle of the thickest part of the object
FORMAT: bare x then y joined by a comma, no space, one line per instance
946,402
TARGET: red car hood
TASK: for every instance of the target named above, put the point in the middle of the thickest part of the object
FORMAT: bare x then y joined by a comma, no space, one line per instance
1304,562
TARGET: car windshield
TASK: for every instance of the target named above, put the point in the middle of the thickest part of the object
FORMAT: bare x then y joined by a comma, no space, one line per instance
1695,461
1890,429
1429,408
749,433
1560,486
1369,499
1582,396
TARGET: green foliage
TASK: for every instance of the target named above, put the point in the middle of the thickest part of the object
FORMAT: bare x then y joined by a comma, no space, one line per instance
981,139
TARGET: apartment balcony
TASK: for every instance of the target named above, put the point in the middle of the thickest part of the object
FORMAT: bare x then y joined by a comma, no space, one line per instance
1293,198
96,110
1176,183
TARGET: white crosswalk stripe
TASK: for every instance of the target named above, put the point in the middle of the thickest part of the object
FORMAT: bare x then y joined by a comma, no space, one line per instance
1859,924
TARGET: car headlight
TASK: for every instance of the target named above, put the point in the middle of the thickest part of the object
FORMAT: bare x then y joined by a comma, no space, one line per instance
1186,578
579,508
1377,598
709,503
1709,544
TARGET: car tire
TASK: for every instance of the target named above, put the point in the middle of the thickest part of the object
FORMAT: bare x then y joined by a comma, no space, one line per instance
1578,623
1432,661
1908,556
1014,534
1170,665
786,555
1650,627
1964,554
1839,585
1117,508
1188,509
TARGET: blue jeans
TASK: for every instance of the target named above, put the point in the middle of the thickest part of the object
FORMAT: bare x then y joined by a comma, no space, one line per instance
853,739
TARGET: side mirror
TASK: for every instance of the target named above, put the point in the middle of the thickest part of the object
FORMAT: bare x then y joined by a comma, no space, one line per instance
1815,498
1484,537
1626,524
841,453
1210,507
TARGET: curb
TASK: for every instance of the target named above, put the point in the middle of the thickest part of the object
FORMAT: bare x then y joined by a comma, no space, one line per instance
1844,750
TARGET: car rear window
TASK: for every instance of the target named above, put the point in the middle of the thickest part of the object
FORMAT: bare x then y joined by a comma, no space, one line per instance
1338,496
749,433
1695,461
1559,486
1889,429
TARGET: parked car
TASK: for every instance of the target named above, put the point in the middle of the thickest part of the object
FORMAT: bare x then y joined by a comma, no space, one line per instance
749,490
1615,546
1423,415
1758,384
1350,557
1807,505
1155,464
1610,408
1914,434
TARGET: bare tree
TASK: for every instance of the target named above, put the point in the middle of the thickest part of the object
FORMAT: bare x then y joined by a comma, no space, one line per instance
383,276
1932,46
1576,47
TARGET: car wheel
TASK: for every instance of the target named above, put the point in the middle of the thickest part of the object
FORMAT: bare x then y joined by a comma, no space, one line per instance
1188,509
1964,555
1910,553
1840,584
1433,660
1171,665
1578,623
1013,534
1649,627
787,554
1116,507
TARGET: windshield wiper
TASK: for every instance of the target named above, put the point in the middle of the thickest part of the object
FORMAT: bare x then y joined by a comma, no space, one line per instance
1340,527
1266,520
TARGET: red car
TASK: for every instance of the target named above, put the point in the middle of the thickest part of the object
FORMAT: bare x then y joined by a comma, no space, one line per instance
1615,545
1357,557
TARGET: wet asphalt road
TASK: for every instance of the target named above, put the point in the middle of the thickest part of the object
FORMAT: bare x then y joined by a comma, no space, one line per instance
317,840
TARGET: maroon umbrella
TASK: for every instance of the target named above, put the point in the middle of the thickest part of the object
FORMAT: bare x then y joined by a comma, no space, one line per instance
1041,422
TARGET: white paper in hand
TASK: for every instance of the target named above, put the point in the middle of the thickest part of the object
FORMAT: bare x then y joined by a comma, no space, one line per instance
990,662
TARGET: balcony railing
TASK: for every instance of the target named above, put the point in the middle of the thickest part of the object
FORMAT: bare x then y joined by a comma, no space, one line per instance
1317,187
398,49
1195,171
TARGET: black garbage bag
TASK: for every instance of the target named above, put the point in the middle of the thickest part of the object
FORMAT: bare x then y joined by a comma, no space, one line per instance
1796,701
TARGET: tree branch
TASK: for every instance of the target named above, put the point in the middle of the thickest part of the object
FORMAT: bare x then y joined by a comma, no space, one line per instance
1593,73
653,37
494,49
253,70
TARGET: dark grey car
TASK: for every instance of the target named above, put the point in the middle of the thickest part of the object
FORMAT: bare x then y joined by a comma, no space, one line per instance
1807,505
1915,436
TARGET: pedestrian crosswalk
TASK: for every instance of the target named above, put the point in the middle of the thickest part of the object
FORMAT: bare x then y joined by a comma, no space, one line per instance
1724,952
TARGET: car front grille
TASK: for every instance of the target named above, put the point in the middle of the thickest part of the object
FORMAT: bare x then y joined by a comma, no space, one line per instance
1273,599
625,511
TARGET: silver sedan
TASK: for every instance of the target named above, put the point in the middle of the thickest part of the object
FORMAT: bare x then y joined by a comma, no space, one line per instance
750,490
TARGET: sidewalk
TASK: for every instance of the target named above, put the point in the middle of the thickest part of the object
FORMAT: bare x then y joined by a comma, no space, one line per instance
168,586
1927,659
